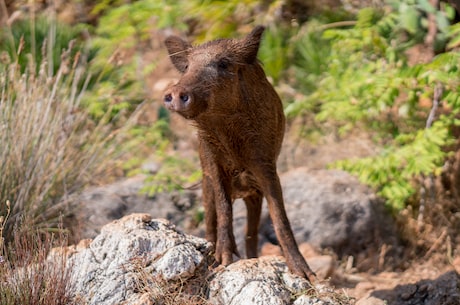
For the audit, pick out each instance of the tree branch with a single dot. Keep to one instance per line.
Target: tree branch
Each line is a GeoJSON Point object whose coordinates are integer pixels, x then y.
{"type": "Point", "coordinates": [438, 90]}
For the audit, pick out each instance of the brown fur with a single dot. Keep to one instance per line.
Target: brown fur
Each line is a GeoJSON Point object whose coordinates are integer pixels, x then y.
{"type": "Point", "coordinates": [240, 123]}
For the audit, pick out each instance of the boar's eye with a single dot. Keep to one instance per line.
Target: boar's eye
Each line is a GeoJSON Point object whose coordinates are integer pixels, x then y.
{"type": "Point", "coordinates": [223, 64]}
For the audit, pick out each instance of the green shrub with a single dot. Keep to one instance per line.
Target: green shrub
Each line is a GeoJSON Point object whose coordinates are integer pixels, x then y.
{"type": "Point", "coordinates": [274, 51]}
{"type": "Point", "coordinates": [310, 56]}
{"type": "Point", "coordinates": [413, 20]}
{"type": "Point", "coordinates": [221, 19]}
{"type": "Point", "coordinates": [118, 61]}
{"type": "Point", "coordinates": [366, 82]}
{"type": "Point", "coordinates": [25, 37]}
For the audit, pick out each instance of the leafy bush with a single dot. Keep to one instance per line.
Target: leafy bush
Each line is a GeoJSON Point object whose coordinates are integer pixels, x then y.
{"type": "Point", "coordinates": [121, 84]}
{"type": "Point", "coordinates": [24, 39]}
{"type": "Point", "coordinates": [358, 67]}
{"type": "Point", "coordinates": [174, 172]}
{"type": "Point", "coordinates": [310, 55]}
{"type": "Point", "coordinates": [413, 19]}
{"type": "Point", "coordinates": [366, 82]}
{"type": "Point", "coordinates": [221, 19]}
{"type": "Point", "coordinates": [274, 51]}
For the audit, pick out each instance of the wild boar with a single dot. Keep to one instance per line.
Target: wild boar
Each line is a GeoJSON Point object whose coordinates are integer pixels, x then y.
{"type": "Point", "coordinates": [239, 116]}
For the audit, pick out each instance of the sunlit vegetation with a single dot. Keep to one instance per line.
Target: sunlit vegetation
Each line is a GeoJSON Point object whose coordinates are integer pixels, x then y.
{"type": "Point", "coordinates": [71, 93]}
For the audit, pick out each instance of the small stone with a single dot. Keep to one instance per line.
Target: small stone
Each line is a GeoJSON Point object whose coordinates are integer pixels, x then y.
{"type": "Point", "coordinates": [410, 290]}
{"type": "Point", "coordinates": [308, 250]}
{"type": "Point", "coordinates": [322, 265]}
{"type": "Point", "coordinates": [370, 300]}
{"type": "Point", "coordinates": [364, 287]}
{"type": "Point", "coordinates": [456, 264]}
{"type": "Point", "coordinates": [270, 249]}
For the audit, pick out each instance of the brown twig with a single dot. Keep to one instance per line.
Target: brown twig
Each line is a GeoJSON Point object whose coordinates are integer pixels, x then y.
{"type": "Point", "coordinates": [438, 91]}
{"type": "Point", "coordinates": [383, 252]}
{"type": "Point", "coordinates": [337, 24]}
{"type": "Point", "coordinates": [437, 95]}
{"type": "Point", "coordinates": [432, 26]}
{"type": "Point", "coordinates": [435, 244]}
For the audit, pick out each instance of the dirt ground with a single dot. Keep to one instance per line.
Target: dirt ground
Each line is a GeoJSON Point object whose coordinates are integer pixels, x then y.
{"type": "Point", "coordinates": [424, 282]}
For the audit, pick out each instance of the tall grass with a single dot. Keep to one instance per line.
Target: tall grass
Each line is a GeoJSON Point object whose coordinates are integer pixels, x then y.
{"type": "Point", "coordinates": [49, 146]}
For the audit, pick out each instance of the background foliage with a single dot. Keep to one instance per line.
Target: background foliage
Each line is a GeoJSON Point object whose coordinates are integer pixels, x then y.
{"type": "Point", "coordinates": [367, 82]}
{"type": "Point", "coordinates": [72, 94]}
{"type": "Point", "coordinates": [348, 70]}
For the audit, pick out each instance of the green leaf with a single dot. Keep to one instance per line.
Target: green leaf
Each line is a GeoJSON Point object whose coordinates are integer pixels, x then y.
{"type": "Point", "coordinates": [426, 6]}
{"type": "Point", "coordinates": [454, 34]}
{"type": "Point", "coordinates": [442, 22]}
{"type": "Point", "coordinates": [410, 19]}
{"type": "Point", "coordinates": [449, 11]}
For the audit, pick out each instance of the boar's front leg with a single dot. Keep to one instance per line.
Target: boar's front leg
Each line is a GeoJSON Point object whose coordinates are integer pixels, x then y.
{"type": "Point", "coordinates": [271, 187]}
{"type": "Point", "coordinates": [218, 208]}
{"type": "Point", "coordinates": [209, 209]}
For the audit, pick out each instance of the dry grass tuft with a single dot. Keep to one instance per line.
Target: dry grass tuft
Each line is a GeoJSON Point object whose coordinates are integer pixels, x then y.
{"type": "Point", "coordinates": [157, 290]}
{"type": "Point", "coordinates": [28, 277]}
{"type": "Point", "coordinates": [50, 147]}
{"type": "Point", "coordinates": [326, 293]}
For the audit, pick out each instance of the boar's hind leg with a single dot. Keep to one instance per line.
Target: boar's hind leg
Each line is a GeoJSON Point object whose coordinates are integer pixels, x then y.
{"type": "Point", "coordinates": [269, 181]}
{"type": "Point", "coordinates": [254, 207]}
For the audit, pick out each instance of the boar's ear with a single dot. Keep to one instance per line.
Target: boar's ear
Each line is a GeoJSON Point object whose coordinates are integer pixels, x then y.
{"type": "Point", "coordinates": [177, 49]}
{"type": "Point", "coordinates": [251, 44]}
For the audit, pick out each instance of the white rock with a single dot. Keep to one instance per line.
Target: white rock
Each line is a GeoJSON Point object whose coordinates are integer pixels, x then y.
{"type": "Point", "coordinates": [106, 272]}
{"type": "Point", "coordinates": [261, 281]}
{"type": "Point", "coordinates": [122, 264]}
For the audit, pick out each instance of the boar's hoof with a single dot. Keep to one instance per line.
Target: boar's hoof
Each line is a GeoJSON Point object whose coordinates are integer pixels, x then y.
{"type": "Point", "coordinates": [225, 250]}
{"type": "Point", "coordinates": [299, 266]}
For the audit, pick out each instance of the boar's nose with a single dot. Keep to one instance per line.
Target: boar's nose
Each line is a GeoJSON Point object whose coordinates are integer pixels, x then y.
{"type": "Point", "coordinates": [177, 99]}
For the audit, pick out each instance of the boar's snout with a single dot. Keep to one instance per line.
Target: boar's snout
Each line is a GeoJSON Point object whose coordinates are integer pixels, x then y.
{"type": "Point", "coordinates": [177, 99]}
